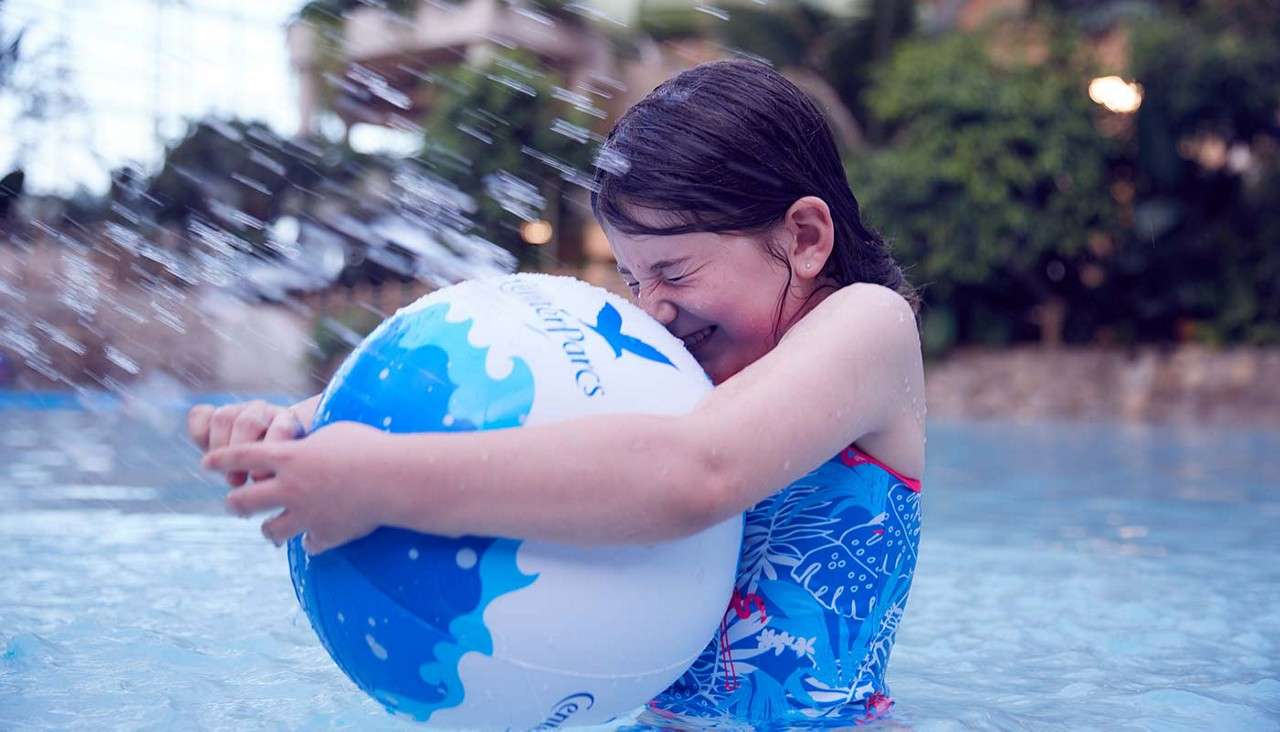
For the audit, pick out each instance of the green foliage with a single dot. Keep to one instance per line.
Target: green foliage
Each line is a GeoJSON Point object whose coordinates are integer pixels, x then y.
{"type": "Point", "coordinates": [663, 20]}
{"type": "Point", "coordinates": [499, 119]}
{"type": "Point", "coordinates": [992, 183]}
{"type": "Point", "coordinates": [787, 35]}
{"type": "Point", "coordinates": [842, 49]}
{"type": "Point", "coordinates": [1019, 217]}
{"type": "Point", "coordinates": [856, 48]}
{"type": "Point", "coordinates": [1206, 171]}
{"type": "Point", "coordinates": [223, 171]}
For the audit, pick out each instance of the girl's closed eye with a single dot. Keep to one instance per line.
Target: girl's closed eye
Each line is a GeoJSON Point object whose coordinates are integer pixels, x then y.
{"type": "Point", "coordinates": [636, 285]}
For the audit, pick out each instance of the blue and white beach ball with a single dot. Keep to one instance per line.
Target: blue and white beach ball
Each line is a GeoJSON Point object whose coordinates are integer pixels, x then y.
{"type": "Point", "coordinates": [484, 632]}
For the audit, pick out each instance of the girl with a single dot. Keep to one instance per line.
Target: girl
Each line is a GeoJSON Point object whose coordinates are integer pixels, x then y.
{"type": "Point", "coordinates": [731, 220]}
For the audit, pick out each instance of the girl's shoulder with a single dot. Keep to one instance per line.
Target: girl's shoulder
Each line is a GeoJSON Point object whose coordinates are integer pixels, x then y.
{"type": "Point", "coordinates": [888, 342]}
{"type": "Point", "coordinates": [872, 306]}
{"type": "Point", "coordinates": [849, 371]}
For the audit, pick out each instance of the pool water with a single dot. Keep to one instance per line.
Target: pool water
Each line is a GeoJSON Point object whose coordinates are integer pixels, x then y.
{"type": "Point", "coordinates": [1071, 576]}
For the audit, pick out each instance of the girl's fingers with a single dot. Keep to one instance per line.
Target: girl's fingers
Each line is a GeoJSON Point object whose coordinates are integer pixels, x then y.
{"type": "Point", "coordinates": [251, 424]}
{"type": "Point", "coordinates": [222, 429]}
{"type": "Point", "coordinates": [313, 544]}
{"type": "Point", "coordinates": [260, 456]}
{"type": "Point", "coordinates": [282, 528]}
{"type": "Point", "coordinates": [220, 424]}
{"type": "Point", "coordinates": [285, 426]}
{"type": "Point", "coordinates": [198, 424]}
{"type": "Point", "coordinates": [256, 498]}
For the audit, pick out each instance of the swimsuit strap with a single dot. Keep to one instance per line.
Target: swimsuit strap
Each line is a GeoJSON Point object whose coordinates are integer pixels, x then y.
{"type": "Point", "coordinates": [852, 456]}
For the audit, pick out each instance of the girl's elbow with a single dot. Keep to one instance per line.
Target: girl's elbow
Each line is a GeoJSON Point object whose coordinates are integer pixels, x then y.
{"type": "Point", "coordinates": [705, 500]}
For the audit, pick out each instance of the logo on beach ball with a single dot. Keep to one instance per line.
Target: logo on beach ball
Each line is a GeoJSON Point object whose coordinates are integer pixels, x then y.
{"type": "Point", "coordinates": [501, 632]}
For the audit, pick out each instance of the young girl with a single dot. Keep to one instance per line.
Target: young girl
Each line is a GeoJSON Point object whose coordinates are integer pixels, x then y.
{"type": "Point", "coordinates": [728, 211]}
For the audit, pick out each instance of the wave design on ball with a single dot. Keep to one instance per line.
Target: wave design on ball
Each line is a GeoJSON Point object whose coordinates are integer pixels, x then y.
{"type": "Point", "coordinates": [440, 587]}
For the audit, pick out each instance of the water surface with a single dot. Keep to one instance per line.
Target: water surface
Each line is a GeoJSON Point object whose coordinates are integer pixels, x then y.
{"type": "Point", "coordinates": [1072, 576]}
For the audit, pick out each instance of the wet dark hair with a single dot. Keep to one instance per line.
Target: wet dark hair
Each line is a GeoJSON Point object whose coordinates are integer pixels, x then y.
{"type": "Point", "coordinates": [728, 147]}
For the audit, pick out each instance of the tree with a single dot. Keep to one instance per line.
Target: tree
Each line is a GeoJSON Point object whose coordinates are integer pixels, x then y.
{"type": "Point", "coordinates": [828, 55]}
{"type": "Point", "coordinates": [1204, 168]}
{"type": "Point", "coordinates": [236, 175]}
{"type": "Point", "coordinates": [993, 182]}
{"type": "Point", "coordinates": [499, 134]}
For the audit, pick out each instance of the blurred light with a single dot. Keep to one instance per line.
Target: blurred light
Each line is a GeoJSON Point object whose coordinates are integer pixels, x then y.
{"type": "Point", "coordinates": [285, 233]}
{"type": "Point", "coordinates": [1092, 276]}
{"type": "Point", "coordinates": [1123, 192]}
{"type": "Point", "coordinates": [536, 232]}
{"type": "Point", "coordinates": [1116, 94]}
{"type": "Point", "coordinates": [373, 140]}
{"type": "Point", "coordinates": [1055, 270]}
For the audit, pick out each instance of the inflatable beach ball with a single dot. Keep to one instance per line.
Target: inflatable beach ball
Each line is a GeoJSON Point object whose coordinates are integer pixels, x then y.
{"type": "Point", "coordinates": [502, 633]}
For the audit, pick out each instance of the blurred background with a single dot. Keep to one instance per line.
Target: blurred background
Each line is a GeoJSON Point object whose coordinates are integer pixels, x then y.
{"type": "Point", "coordinates": [215, 196]}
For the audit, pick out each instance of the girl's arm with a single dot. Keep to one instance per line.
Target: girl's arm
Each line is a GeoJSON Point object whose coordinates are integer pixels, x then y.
{"type": "Point", "coordinates": [839, 374]}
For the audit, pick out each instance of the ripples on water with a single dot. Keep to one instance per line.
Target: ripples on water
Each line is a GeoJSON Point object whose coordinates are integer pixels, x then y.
{"type": "Point", "coordinates": [1071, 577]}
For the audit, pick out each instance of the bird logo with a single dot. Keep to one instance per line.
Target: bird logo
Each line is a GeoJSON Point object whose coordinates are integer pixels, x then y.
{"type": "Point", "coordinates": [609, 326]}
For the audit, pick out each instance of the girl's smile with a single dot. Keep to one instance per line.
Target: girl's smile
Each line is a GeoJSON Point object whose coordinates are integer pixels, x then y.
{"type": "Point", "coordinates": [695, 340]}
{"type": "Point", "coordinates": [726, 296]}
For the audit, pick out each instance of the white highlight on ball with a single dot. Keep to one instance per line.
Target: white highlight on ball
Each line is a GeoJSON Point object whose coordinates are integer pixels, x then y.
{"type": "Point", "coordinates": [378, 650]}
{"type": "Point", "coordinates": [466, 557]}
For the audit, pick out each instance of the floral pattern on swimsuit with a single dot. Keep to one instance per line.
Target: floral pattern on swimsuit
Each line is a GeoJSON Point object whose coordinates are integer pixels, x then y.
{"type": "Point", "coordinates": [821, 587]}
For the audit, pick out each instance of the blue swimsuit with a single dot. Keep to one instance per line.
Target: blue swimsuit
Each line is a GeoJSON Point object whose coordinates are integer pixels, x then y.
{"type": "Point", "coordinates": [822, 583]}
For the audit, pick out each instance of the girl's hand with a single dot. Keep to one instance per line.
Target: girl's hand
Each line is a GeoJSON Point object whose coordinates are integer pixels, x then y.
{"type": "Point", "coordinates": [322, 481]}
{"type": "Point", "coordinates": [212, 428]}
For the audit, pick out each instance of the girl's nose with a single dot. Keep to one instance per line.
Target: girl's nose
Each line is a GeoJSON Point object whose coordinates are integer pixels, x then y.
{"type": "Point", "coordinates": [661, 310]}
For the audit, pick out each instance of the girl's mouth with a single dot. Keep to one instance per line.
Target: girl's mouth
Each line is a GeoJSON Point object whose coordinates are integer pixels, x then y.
{"type": "Point", "coordinates": [695, 339]}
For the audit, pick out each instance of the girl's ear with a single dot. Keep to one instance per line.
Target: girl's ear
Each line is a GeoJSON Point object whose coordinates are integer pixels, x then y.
{"type": "Point", "coordinates": [810, 236]}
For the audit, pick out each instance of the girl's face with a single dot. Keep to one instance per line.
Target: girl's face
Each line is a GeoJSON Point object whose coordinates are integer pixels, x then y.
{"type": "Point", "coordinates": [718, 293]}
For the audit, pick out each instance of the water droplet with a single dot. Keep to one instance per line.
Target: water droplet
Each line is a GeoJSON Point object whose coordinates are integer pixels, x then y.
{"type": "Point", "coordinates": [717, 13]}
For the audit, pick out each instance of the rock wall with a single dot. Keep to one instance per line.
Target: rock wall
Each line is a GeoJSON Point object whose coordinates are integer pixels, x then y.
{"type": "Point", "coordinates": [1188, 384]}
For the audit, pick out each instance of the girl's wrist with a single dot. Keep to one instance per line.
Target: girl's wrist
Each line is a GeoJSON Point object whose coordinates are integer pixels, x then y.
{"type": "Point", "coordinates": [405, 482]}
